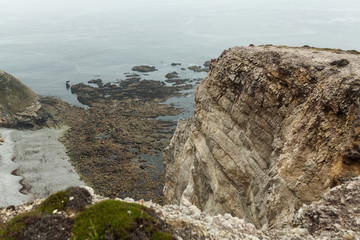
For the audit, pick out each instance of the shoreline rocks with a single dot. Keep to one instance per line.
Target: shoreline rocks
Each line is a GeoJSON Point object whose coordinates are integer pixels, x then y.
{"type": "Point", "coordinates": [172, 75]}
{"type": "Point", "coordinates": [144, 68]}
{"type": "Point", "coordinates": [198, 69]}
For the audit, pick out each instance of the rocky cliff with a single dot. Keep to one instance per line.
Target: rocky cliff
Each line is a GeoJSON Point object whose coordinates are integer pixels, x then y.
{"type": "Point", "coordinates": [274, 128]}
{"type": "Point", "coordinates": [19, 105]}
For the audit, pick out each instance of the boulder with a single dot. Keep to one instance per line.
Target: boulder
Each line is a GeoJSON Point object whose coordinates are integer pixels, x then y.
{"type": "Point", "coordinates": [144, 68]}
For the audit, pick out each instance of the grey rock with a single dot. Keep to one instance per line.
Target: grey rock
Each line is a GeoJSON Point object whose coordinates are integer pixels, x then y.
{"type": "Point", "coordinates": [271, 132]}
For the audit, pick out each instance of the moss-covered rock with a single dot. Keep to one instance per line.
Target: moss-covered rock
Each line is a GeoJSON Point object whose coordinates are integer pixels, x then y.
{"type": "Point", "coordinates": [19, 105]}
{"type": "Point", "coordinates": [108, 219]}
{"type": "Point", "coordinates": [113, 219]}
{"type": "Point", "coordinates": [71, 199]}
{"type": "Point", "coordinates": [15, 96]}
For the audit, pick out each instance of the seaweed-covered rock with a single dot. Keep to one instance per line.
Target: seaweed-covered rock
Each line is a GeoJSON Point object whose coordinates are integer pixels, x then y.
{"type": "Point", "coordinates": [198, 69]}
{"type": "Point", "coordinates": [172, 75]}
{"type": "Point", "coordinates": [144, 68]}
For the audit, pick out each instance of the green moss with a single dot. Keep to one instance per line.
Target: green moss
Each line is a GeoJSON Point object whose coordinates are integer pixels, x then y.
{"type": "Point", "coordinates": [13, 229]}
{"type": "Point", "coordinates": [15, 96]}
{"type": "Point", "coordinates": [60, 201]}
{"type": "Point", "coordinates": [161, 236]}
{"type": "Point", "coordinates": [108, 219]}
{"type": "Point", "coordinates": [56, 201]}
{"type": "Point", "coordinates": [117, 219]}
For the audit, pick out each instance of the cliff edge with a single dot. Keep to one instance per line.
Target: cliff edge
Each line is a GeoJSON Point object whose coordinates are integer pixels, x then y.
{"type": "Point", "coordinates": [274, 128]}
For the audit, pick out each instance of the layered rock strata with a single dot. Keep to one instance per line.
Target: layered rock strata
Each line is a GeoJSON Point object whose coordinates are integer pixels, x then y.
{"type": "Point", "coordinates": [274, 128]}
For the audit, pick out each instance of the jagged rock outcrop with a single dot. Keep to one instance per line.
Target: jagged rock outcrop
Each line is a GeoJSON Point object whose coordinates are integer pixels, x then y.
{"type": "Point", "coordinates": [19, 105]}
{"type": "Point", "coordinates": [274, 128]}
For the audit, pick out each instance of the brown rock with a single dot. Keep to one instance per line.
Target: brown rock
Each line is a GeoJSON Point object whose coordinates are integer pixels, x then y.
{"type": "Point", "coordinates": [274, 128]}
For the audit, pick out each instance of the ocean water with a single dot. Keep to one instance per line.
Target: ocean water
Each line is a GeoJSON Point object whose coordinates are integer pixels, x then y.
{"type": "Point", "coordinates": [47, 42]}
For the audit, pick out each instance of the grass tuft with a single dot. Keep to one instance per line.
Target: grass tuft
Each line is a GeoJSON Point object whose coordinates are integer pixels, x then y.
{"type": "Point", "coordinates": [113, 219]}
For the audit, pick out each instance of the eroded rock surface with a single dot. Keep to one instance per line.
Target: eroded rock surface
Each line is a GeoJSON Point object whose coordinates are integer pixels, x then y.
{"type": "Point", "coordinates": [274, 128]}
{"type": "Point", "coordinates": [19, 105]}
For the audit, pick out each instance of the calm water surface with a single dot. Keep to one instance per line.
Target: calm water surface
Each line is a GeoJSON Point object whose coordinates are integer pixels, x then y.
{"type": "Point", "coordinates": [46, 42]}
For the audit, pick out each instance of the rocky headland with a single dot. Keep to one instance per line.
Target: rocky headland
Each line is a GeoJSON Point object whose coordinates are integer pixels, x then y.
{"type": "Point", "coordinates": [272, 152]}
{"type": "Point", "coordinates": [19, 105]}
{"type": "Point", "coordinates": [274, 128]}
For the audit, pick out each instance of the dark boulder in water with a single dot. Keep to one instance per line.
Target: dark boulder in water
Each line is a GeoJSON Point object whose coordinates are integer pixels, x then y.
{"type": "Point", "coordinates": [144, 68]}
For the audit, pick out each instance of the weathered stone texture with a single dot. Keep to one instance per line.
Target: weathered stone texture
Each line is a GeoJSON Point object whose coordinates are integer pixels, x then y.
{"type": "Point", "coordinates": [274, 128]}
{"type": "Point", "coordinates": [19, 105]}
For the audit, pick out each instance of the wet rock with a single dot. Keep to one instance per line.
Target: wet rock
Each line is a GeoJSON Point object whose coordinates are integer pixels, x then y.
{"type": "Point", "coordinates": [172, 75]}
{"type": "Point", "coordinates": [175, 64]}
{"type": "Point", "coordinates": [177, 81]}
{"type": "Point", "coordinates": [121, 117]}
{"type": "Point", "coordinates": [144, 68]}
{"type": "Point", "coordinates": [98, 82]}
{"type": "Point", "coordinates": [198, 69]}
{"type": "Point", "coordinates": [148, 90]}
{"type": "Point", "coordinates": [207, 64]}
{"type": "Point", "coordinates": [132, 75]}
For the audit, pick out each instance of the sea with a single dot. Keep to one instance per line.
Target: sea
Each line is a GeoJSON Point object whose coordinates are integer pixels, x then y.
{"type": "Point", "coordinates": [45, 43]}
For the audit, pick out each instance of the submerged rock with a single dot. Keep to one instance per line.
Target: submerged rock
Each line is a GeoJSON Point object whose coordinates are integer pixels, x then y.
{"type": "Point", "coordinates": [144, 68]}
{"type": "Point", "coordinates": [198, 69]}
{"type": "Point", "coordinates": [274, 128]}
{"type": "Point", "coordinates": [172, 75]}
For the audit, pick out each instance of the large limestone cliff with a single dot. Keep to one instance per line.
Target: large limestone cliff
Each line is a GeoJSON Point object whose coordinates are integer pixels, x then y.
{"type": "Point", "coordinates": [19, 105]}
{"type": "Point", "coordinates": [274, 128]}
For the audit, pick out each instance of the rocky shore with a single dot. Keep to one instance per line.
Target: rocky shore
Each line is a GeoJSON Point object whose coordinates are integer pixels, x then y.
{"type": "Point", "coordinates": [116, 144]}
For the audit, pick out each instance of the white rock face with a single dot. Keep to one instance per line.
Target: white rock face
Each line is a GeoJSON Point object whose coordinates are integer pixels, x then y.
{"type": "Point", "coordinates": [274, 128]}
